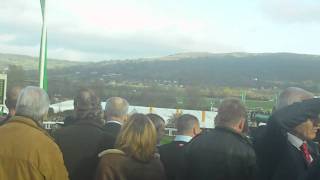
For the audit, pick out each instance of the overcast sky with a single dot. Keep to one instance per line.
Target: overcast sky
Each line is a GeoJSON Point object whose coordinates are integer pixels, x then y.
{"type": "Point", "coordinates": [120, 29]}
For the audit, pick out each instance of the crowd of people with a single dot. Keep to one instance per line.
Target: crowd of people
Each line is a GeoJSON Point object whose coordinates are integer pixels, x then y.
{"type": "Point", "coordinates": [111, 144]}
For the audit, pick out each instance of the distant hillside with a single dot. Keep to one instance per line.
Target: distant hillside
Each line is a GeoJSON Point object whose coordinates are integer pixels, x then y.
{"type": "Point", "coordinates": [234, 69]}
{"type": "Point", "coordinates": [194, 68]}
{"type": "Point", "coordinates": [30, 63]}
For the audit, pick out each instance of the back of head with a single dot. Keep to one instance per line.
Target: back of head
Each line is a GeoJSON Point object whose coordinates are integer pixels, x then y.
{"type": "Point", "coordinates": [12, 97]}
{"type": "Point", "coordinates": [33, 102]}
{"type": "Point", "coordinates": [185, 124]}
{"type": "Point", "coordinates": [87, 105]}
{"type": "Point", "coordinates": [230, 113]}
{"type": "Point", "coordinates": [137, 138]}
{"type": "Point", "coordinates": [157, 120]}
{"type": "Point", "coordinates": [116, 107]}
{"type": "Point", "coordinates": [292, 95]}
{"type": "Point", "coordinates": [159, 124]}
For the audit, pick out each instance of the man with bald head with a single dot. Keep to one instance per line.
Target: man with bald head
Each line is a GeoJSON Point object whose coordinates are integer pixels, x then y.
{"type": "Point", "coordinates": [171, 154]}
{"type": "Point", "coordinates": [116, 113]}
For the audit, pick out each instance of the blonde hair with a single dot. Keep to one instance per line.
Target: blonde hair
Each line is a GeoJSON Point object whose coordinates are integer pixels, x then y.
{"type": "Point", "coordinates": [138, 138]}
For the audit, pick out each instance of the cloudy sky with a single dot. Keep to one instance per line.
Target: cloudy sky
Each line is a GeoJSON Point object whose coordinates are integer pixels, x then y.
{"type": "Point", "coordinates": [88, 30]}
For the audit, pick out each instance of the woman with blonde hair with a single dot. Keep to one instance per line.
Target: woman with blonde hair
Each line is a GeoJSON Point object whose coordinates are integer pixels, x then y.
{"type": "Point", "coordinates": [134, 157]}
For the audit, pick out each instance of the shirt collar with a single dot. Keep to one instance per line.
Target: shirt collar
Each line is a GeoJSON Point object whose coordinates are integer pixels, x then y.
{"type": "Point", "coordinates": [183, 138]}
{"type": "Point", "coordinates": [295, 141]}
{"type": "Point", "coordinates": [117, 122]}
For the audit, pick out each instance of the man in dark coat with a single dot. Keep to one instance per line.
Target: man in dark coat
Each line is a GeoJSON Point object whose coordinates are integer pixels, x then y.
{"type": "Point", "coordinates": [171, 154]}
{"type": "Point", "coordinates": [273, 136]}
{"type": "Point", "coordinates": [11, 101]}
{"type": "Point", "coordinates": [82, 141]}
{"type": "Point", "coordinates": [223, 153]}
{"type": "Point", "coordinates": [287, 150]}
{"type": "Point", "coordinates": [116, 113]}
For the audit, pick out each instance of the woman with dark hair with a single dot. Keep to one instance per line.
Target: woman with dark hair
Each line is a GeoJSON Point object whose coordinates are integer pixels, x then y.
{"type": "Point", "coordinates": [159, 124]}
{"type": "Point", "coordinates": [134, 157]}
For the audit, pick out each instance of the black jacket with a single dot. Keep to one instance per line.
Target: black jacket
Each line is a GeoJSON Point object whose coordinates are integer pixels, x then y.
{"type": "Point", "coordinates": [4, 119]}
{"type": "Point", "coordinates": [171, 157]}
{"type": "Point", "coordinates": [80, 144]}
{"type": "Point", "coordinates": [221, 154]}
{"type": "Point", "coordinates": [293, 165]}
{"type": "Point", "coordinates": [112, 128]}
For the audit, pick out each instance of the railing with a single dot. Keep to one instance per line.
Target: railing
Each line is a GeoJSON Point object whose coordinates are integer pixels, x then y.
{"type": "Point", "coordinates": [170, 131]}
{"type": "Point", "coordinates": [48, 125]}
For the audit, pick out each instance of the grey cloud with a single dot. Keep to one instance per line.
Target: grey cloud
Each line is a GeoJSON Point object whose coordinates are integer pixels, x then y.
{"type": "Point", "coordinates": [27, 30]}
{"type": "Point", "coordinates": [130, 46]}
{"type": "Point", "coordinates": [292, 11]}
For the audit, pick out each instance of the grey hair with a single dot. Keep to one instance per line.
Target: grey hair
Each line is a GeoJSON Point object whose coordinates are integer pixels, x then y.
{"type": "Point", "coordinates": [33, 102]}
{"type": "Point", "coordinates": [292, 95]}
{"type": "Point", "coordinates": [116, 107]}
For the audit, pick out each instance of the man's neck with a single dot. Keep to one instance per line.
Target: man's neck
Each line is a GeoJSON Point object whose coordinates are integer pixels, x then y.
{"type": "Point", "coordinates": [232, 128]}
{"type": "Point", "coordinates": [12, 112]}
{"type": "Point", "coordinates": [185, 134]}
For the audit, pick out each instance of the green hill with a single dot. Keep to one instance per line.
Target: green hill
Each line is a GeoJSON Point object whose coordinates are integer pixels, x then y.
{"type": "Point", "coordinates": [233, 69]}
{"type": "Point", "coordinates": [31, 63]}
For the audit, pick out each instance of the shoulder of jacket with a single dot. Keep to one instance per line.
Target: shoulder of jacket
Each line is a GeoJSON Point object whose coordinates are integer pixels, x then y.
{"type": "Point", "coordinates": [111, 151]}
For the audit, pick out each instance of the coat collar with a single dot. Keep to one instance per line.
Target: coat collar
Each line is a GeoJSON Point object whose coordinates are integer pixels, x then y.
{"type": "Point", "coordinates": [114, 122]}
{"type": "Point", "coordinates": [111, 151]}
{"type": "Point", "coordinates": [120, 152]}
{"type": "Point", "coordinates": [28, 122]}
{"type": "Point", "coordinates": [232, 131]}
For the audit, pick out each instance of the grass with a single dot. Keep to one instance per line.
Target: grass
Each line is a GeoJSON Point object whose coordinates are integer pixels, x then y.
{"type": "Point", "coordinates": [266, 105]}
{"type": "Point", "coordinates": [166, 139]}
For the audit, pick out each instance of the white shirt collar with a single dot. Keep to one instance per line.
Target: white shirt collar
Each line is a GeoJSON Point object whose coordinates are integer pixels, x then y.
{"type": "Point", "coordinates": [117, 122]}
{"type": "Point", "coordinates": [183, 138]}
{"type": "Point", "coordinates": [295, 141]}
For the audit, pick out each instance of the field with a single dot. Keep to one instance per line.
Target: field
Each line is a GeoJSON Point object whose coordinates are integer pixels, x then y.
{"type": "Point", "coordinates": [166, 139]}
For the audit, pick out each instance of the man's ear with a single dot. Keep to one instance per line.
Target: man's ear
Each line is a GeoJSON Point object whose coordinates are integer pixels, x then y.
{"type": "Point", "coordinates": [241, 124]}
{"type": "Point", "coordinates": [125, 118]}
{"type": "Point", "coordinates": [194, 131]}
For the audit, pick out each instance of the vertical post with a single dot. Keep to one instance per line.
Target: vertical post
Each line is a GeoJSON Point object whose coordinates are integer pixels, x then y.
{"type": "Point", "coordinates": [203, 116]}
{"type": "Point", "coordinates": [43, 49]}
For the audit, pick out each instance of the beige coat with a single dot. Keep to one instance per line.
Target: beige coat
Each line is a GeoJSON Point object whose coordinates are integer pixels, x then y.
{"type": "Point", "coordinates": [116, 165]}
{"type": "Point", "coordinates": [27, 152]}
